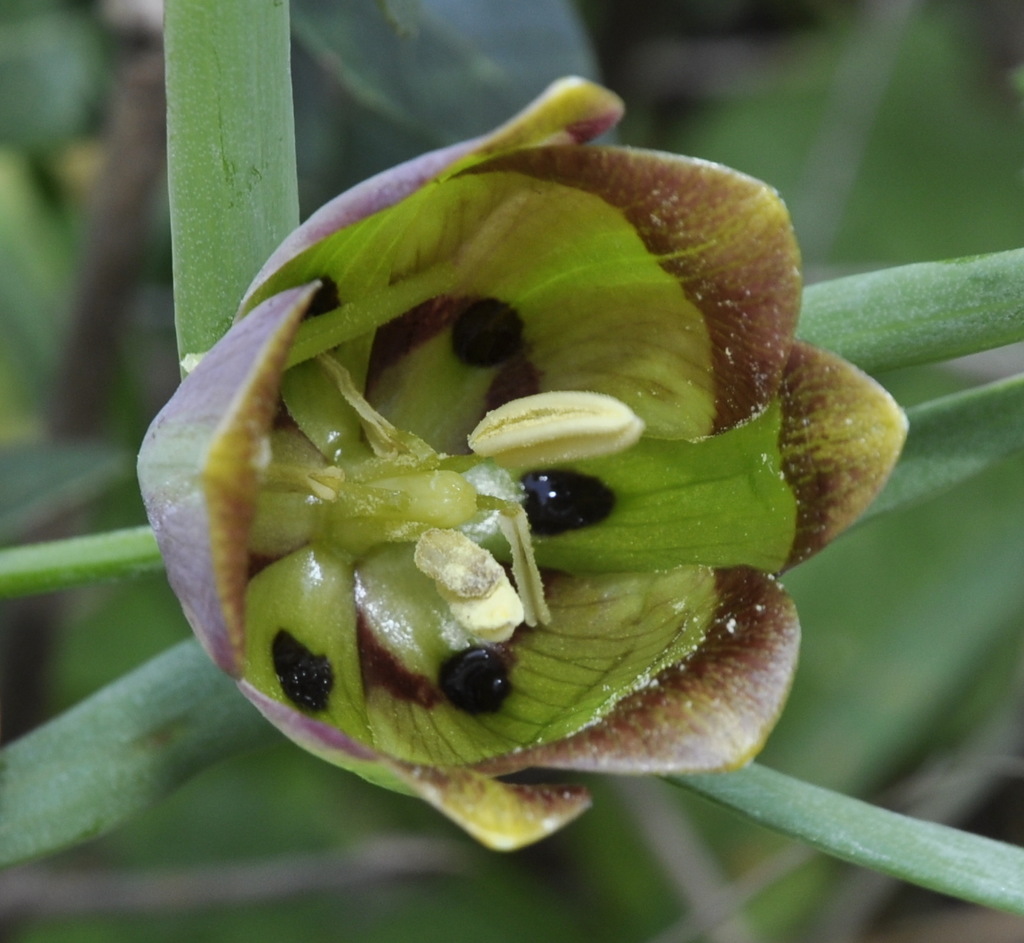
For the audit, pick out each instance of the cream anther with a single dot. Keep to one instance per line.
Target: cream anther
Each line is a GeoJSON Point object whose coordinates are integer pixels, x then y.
{"type": "Point", "coordinates": [472, 582]}
{"type": "Point", "coordinates": [558, 426]}
{"type": "Point", "coordinates": [385, 440]}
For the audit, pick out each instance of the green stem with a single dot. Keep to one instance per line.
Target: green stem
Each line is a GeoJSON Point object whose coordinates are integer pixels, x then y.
{"type": "Point", "coordinates": [922, 313]}
{"type": "Point", "coordinates": [61, 564]}
{"type": "Point", "coordinates": [230, 154]}
{"type": "Point", "coordinates": [934, 856]}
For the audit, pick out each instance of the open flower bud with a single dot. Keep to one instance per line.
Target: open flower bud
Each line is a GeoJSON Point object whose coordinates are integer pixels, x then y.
{"type": "Point", "coordinates": [499, 464]}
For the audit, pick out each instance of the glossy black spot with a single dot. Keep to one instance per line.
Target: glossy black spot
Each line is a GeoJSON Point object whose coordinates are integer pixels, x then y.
{"type": "Point", "coordinates": [306, 679]}
{"type": "Point", "coordinates": [557, 501]}
{"type": "Point", "coordinates": [326, 298]}
{"type": "Point", "coordinates": [476, 680]}
{"type": "Point", "coordinates": [487, 333]}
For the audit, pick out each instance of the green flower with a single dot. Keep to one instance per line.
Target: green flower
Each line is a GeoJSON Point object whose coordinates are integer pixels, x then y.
{"type": "Point", "coordinates": [500, 461]}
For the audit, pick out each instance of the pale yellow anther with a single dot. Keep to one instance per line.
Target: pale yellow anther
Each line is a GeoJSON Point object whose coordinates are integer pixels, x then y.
{"type": "Point", "coordinates": [559, 426]}
{"type": "Point", "coordinates": [385, 440]}
{"type": "Point", "coordinates": [475, 586]}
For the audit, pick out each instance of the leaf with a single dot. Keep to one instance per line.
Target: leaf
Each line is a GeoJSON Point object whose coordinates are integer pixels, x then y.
{"type": "Point", "coordinates": [44, 481]}
{"type": "Point", "coordinates": [921, 313]}
{"type": "Point", "coordinates": [397, 90]}
{"type": "Point", "coordinates": [953, 438]}
{"type": "Point", "coordinates": [120, 751]}
{"type": "Point", "coordinates": [50, 69]}
{"type": "Point", "coordinates": [934, 856]}
{"type": "Point", "coordinates": [34, 266]}
{"type": "Point", "coordinates": [402, 15]}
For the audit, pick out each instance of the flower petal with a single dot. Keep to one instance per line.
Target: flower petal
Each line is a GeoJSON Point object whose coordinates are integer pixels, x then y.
{"type": "Point", "coordinates": [841, 436]}
{"type": "Point", "coordinates": [607, 635]}
{"type": "Point", "coordinates": [711, 711]}
{"type": "Point", "coordinates": [199, 470]}
{"type": "Point", "coordinates": [571, 242]}
{"type": "Point", "coordinates": [725, 237]}
{"type": "Point", "coordinates": [570, 111]}
{"type": "Point", "coordinates": [500, 815]}
{"type": "Point", "coordinates": [719, 501]}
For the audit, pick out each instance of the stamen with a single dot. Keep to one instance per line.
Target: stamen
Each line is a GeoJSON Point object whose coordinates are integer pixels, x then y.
{"type": "Point", "coordinates": [472, 582]}
{"type": "Point", "coordinates": [558, 426]}
{"type": "Point", "coordinates": [516, 529]}
{"type": "Point", "coordinates": [386, 440]}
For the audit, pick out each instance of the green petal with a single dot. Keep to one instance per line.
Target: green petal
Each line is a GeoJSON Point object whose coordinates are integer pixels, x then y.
{"type": "Point", "coordinates": [841, 436]}
{"type": "Point", "coordinates": [669, 283]}
{"type": "Point", "coordinates": [608, 635]}
{"type": "Point", "coordinates": [720, 501]}
{"type": "Point", "coordinates": [308, 594]}
{"type": "Point", "coordinates": [711, 711]}
{"type": "Point", "coordinates": [724, 237]}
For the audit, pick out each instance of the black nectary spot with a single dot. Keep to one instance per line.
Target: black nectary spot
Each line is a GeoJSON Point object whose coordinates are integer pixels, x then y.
{"type": "Point", "coordinates": [306, 679]}
{"type": "Point", "coordinates": [326, 298]}
{"type": "Point", "coordinates": [557, 501]}
{"type": "Point", "coordinates": [487, 333]}
{"type": "Point", "coordinates": [476, 680]}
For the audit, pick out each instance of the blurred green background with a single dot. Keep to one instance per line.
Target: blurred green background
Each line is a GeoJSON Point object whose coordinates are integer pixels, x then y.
{"type": "Point", "coordinates": [893, 129]}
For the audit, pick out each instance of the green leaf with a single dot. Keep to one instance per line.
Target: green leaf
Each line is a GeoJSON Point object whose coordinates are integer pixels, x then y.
{"type": "Point", "coordinates": [918, 313]}
{"type": "Point", "coordinates": [398, 88]}
{"type": "Point", "coordinates": [35, 261]}
{"type": "Point", "coordinates": [230, 154]}
{"type": "Point", "coordinates": [934, 856]}
{"type": "Point", "coordinates": [953, 438]}
{"type": "Point", "coordinates": [125, 748]}
{"type": "Point", "coordinates": [77, 561]}
{"type": "Point", "coordinates": [50, 69]}
{"type": "Point", "coordinates": [42, 481]}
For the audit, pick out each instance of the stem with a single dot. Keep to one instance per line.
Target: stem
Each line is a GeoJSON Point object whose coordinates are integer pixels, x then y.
{"type": "Point", "coordinates": [61, 564]}
{"type": "Point", "coordinates": [231, 154]}
{"type": "Point", "coordinates": [934, 856]}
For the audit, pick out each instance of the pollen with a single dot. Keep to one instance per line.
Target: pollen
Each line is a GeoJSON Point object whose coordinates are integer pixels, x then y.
{"type": "Point", "coordinates": [557, 426]}
{"type": "Point", "coordinates": [475, 586]}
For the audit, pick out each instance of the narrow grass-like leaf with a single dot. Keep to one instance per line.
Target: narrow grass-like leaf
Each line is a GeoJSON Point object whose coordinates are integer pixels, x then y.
{"type": "Point", "coordinates": [934, 856]}
{"type": "Point", "coordinates": [120, 751]}
{"type": "Point", "coordinates": [230, 154]}
{"type": "Point", "coordinates": [953, 438]}
{"type": "Point", "coordinates": [921, 313]}
{"type": "Point", "coordinates": [62, 564]}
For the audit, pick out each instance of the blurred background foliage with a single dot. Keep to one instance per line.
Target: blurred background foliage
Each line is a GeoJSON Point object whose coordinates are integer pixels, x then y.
{"type": "Point", "coordinates": [893, 128]}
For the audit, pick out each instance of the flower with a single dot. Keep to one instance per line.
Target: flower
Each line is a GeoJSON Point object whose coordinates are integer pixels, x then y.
{"type": "Point", "coordinates": [498, 465]}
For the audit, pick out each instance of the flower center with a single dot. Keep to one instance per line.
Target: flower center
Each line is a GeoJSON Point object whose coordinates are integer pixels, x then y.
{"type": "Point", "coordinates": [462, 513]}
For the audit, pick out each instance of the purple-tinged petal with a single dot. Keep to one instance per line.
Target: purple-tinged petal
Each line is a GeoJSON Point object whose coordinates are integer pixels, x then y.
{"type": "Point", "coordinates": [725, 237]}
{"type": "Point", "coordinates": [711, 711]}
{"type": "Point", "coordinates": [500, 815]}
{"type": "Point", "coordinates": [199, 469]}
{"type": "Point", "coordinates": [569, 111]}
{"type": "Point", "coordinates": [841, 436]}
